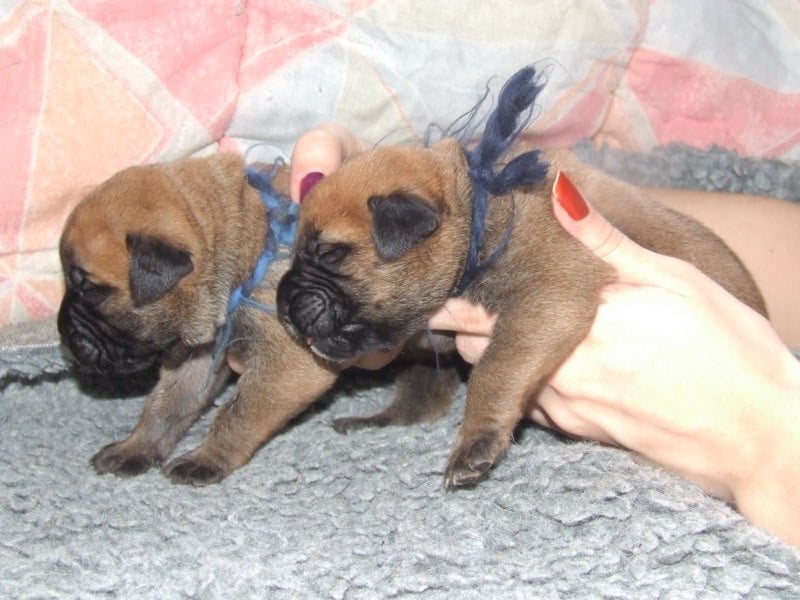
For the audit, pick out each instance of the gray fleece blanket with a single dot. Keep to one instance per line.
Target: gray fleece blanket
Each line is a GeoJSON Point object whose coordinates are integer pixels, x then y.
{"type": "Point", "coordinates": [321, 515]}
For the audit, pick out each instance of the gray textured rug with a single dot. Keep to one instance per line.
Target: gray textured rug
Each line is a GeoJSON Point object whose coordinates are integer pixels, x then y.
{"type": "Point", "coordinates": [320, 515]}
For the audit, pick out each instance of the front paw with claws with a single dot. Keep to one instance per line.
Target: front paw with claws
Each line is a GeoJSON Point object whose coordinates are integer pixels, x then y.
{"type": "Point", "coordinates": [195, 470]}
{"type": "Point", "coordinates": [471, 460]}
{"type": "Point", "coordinates": [122, 460]}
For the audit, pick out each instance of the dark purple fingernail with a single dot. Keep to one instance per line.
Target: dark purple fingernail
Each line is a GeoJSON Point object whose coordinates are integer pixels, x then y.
{"type": "Point", "coordinates": [308, 182]}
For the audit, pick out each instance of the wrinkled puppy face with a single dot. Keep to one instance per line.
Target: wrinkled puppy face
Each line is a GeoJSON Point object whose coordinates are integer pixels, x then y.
{"type": "Point", "coordinates": [381, 244]}
{"type": "Point", "coordinates": [114, 318]}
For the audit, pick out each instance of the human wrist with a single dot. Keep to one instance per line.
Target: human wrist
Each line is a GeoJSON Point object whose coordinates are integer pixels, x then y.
{"type": "Point", "coordinates": [769, 498]}
{"type": "Point", "coordinates": [751, 430]}
{"type": "Point", "coordinates": [766, 487]}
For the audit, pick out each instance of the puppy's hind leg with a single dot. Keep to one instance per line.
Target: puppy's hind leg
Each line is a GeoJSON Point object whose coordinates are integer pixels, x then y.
{"type": "Point", "coordinates": [178, 399]}
{"type": "Point", "coordinates": [423, 394]}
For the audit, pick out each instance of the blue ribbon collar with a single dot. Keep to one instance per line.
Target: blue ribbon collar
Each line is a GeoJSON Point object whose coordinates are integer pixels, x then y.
{"type": "Point", "coordinates": [510, 118]}
{"type": "Point", "coordinates": [282, 216]}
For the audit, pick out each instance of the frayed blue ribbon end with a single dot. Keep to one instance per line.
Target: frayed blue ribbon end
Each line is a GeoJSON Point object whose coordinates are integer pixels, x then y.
{"type": "Point", "coordinates": [509, 119]}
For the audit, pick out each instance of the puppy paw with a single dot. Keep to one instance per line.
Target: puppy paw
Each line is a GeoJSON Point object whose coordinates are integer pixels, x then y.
{"type": "Point", "coordinates": [121, 460]}
{"type": "Point", "coordinates": [471, 460]}
{"type": "Point", "coordinates": [197, 471]}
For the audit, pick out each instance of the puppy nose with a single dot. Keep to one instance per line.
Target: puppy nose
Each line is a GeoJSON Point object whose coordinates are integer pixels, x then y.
{"type": "Point", "coordinates": [316, 315]}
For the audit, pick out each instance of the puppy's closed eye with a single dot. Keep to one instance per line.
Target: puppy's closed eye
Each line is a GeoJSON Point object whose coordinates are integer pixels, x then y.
{"type": "Point", "coordinates": [79, 282]}
{"type": "Point", "coordinates": [328, 254]}
{"type": "Point", "coordinates": [333, 254]}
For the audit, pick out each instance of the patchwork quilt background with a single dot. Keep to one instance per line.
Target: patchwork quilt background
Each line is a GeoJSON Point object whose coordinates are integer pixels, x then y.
{"type": "Point", "coordinates": [88, 87]}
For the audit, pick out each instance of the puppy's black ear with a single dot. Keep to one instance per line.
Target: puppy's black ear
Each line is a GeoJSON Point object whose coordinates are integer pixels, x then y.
{"type": "Point", "coordinates": [399, 221]}
{"type": "Point", "coordinates": [155, 267]}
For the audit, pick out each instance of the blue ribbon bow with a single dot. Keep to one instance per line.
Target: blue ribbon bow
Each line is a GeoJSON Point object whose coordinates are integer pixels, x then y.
{"type": "Point", "coordinates": [503, 126]}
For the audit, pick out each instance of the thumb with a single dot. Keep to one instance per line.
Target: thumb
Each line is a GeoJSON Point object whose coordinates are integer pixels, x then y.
{"type": "Point", "coordinates": [633, 263]}
{"type": "Point", "coordinates": [318, 153]}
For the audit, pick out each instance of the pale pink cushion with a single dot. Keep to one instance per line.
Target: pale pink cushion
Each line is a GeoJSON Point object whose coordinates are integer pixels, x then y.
{"type": "Point", "coordinates": [727, 76]}
{"type": "Point", "coordinates": [87, 87]}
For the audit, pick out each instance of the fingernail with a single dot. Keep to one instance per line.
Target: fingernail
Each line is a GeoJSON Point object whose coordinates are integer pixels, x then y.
{"type": "Point", "coordinates": [308, 182]}
{"type": "Point", "coordinates": [570, 197]}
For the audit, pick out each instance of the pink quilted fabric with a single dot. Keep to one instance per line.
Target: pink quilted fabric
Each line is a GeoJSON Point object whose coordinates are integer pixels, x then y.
{"type": "Point", "coordinates": [729, 77]}
{"type": "Point", "coordinates": [88, 87]}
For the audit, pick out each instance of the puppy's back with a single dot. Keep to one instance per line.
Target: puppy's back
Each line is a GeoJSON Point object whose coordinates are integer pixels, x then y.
{"type": "Point", "coordinates": [661, 229]}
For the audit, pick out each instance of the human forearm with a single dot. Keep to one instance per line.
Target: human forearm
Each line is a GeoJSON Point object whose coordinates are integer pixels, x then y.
{"type": "Point", "coordinates": [763, 232]}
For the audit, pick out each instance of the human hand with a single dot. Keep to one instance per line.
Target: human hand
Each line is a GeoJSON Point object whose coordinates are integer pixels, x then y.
{"type": "Point", "coordinates": [673, 364]}
{"type": "Point", "coordinates": [676, 369]}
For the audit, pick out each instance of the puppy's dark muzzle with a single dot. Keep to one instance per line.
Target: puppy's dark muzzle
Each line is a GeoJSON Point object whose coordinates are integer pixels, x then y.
{"type": "Point", "coordinates": [97, 345]}
{"type": "Point", "coordinates": [317, 310]}
{"type": "Point", "coordinates": [313, 309]}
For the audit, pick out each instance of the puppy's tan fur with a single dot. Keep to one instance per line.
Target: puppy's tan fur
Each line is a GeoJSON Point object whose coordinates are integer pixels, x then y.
{"type": "Point", "coordinates": [202, 208]}
{"type": "Point", "coordinates": [545, 287]}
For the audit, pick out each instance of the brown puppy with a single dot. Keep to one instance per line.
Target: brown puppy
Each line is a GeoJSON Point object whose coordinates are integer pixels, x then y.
{"type": "Point", "coordinates": [383, 242]}
{"type": "Point", "coordinates": [150, 259]}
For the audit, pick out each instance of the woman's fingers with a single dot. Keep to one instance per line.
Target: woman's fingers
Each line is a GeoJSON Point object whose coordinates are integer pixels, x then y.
{"type": "Point", "coordinates": [318, 153]}
{"type": "Point", "coordinates": [462, 316]}
{"type": "Point", "coordinates": [472, 323]}
{"type": "Point", "coordinates": [633, 263]}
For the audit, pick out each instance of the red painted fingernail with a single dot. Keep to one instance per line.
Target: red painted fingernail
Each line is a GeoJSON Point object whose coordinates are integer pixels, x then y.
{"type": "Point", "coordinates": [570, 197]}
{"type": "Point", "coordinates": [308, 182]}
